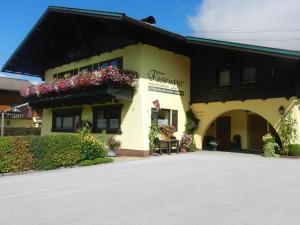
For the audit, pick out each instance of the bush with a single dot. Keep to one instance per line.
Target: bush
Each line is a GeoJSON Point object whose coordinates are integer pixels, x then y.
{"type": "Point", "coordinates": [294, 150]}
{"type": "Point", "coordinates": [21, 131]}
{"type": "Point", "coordinates": [191, 123]}
{"type": "Point", "coordinates": [95, 161]}
{"type": "Point", "coordinates": [269, 146]}
{"type": "Point", "coordinates": [15, 155]}
{"type": "Point", "coordinates": [53, 151]}
{"type": "Point", "coordinates": [20, 153]}
{"type": "Point", "coordinates": [92, 148]}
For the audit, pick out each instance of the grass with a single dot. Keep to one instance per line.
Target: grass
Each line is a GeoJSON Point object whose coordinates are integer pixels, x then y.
{"type": "Point", "coordinates": [95, 161]}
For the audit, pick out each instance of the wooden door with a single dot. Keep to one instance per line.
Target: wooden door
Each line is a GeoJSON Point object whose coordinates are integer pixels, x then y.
{"type": "Point", "coordinates": [224, 132]}
{"type": "Point", "coordinates": [257, 127]}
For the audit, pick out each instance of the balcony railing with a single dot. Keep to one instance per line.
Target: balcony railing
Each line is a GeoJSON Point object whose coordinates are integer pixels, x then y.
{"type": "Point", "coordinates": [18, 115]}
{"type": "Point", "coordinates": [98, 86]}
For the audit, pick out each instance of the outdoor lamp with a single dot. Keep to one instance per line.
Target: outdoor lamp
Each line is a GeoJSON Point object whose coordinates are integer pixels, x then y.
{"type": "Point", "coordinates": [281, 110]}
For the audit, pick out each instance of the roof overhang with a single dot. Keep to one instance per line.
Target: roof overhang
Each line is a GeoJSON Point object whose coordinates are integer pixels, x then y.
{"type": "Point", "coordinates": [64, 35]}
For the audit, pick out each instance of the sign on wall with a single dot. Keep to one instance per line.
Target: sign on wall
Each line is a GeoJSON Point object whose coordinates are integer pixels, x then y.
{"type": "Point", "coordinates": [160, 82]}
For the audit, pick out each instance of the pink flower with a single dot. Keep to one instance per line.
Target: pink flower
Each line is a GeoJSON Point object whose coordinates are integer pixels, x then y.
{"type": "Point", "coordinates": [82, 81]}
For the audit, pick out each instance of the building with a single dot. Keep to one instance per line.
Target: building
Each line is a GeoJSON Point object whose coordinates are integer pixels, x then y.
{"type": "Point", "coordinates": [10, 97]}
{"type": "Point", "coordinates": [234, 89]}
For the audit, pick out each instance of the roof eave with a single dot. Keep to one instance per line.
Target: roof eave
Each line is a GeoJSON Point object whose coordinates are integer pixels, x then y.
{"type": "Point", "coordinates": [192, 40]}
{"type": "Point", "coordinates": [108, 15]}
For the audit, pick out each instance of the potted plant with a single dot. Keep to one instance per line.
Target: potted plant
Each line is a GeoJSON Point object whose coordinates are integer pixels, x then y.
{"type": "Point", "coordinates": [214, 144]}
{"type": "Point", "coordinates": [113, 145]}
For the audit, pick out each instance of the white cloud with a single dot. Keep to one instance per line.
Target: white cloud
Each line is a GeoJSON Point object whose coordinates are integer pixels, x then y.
{"type": "Point", "coordinates": [272, 23]}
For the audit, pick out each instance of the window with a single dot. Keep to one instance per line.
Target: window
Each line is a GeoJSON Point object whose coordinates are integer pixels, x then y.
{"type": "Point", "coordinates": [224, 77]}
{"type": "Point", "coordinates": [113, 62]}
{"type": "Point", "coordinates": [165, 117]}
{"type": "Point", "coordinates": [86, 69]}
{"type": "Point", "coordinates": [67, 120]}
{"type": "Point", "coordinates": [107, 118]}
{"type": "Point", "coordinates": [66, 74]}
{"type": "Point", "coordinates": [248, 75]}
{"type": "Point", "coordinates": [118, 62]}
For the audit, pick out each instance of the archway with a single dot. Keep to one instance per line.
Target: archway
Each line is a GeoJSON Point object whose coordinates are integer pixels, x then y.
{"type": "Point", "coordinates": [238, 130]}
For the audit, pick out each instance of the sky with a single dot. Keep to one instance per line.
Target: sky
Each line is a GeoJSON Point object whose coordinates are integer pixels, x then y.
{"type": "Point", "coordinates": [272, 23]}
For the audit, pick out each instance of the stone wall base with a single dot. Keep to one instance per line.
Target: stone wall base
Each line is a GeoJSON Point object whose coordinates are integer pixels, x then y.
{"type": "Point", "coordinates": [130, 152]}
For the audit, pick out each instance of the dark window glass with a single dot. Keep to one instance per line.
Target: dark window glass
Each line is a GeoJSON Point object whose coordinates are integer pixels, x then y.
{"type": "Point", "coordinates": [89, 68]}
{"type": "Point", "coordinates": [165, 117]}
{"type": "Point", "coordinates": [65, 74]}
{"type": "Point", "coordinates": [86, 69]}
{"type": "Point", "coordinates": [114, 62]}
{"type": "Point", "coordinates": [154, 115]}
{"type": "Point", "coordinates": [175, 119]}
{"type": "Point", "coordinates": [248, 75]}
{"type": "Point", "coordinates": [96, 66]}
{"type": "Point", "coordinates": [107, 118]}
{"type": "Point", "coordinates": [66, 120]}
{"type": "Point", "coordinates": [224, 77]}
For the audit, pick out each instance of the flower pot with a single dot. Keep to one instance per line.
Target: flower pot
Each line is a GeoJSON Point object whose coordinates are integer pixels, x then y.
{"type": "Point", "coordinates": [111, 152]}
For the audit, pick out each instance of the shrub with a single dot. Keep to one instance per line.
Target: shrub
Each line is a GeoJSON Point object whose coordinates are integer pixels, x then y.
{"type": "Point", "coordinates": [95, 161]}
{"type": "Point", "coordinates": [152, 135]}
{"type": "Point", "coordinates": [295, 150]}
{"type": "Point", "coordinates": [287, 131]}
{"type": "Point", "coordinates": [20, 153]}
{"type": "Point", "coordinates": [22, 159]}
{"type": "Point", "coordinates": [191, 123]}
{"type": "Point", "coordinates": [15, 155]}
{"type": "Point", "coordinates": [92, 148]}
{"type": "Point", "coordinates": [53, 151]}
{"type": "Point", "coordinates": [187, 142]}
{"type": "Point", "coordinates": [269, 146]}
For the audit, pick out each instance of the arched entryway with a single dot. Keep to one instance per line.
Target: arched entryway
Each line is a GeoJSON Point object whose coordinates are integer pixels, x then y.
{"type": "Point", "coordinates": [238, 130]}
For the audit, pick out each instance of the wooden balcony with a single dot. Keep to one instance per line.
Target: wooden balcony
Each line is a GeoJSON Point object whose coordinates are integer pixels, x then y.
{"type": "Point", "coordinates": [100, 94]}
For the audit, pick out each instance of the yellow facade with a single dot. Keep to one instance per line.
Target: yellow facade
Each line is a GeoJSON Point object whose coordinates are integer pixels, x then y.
{"type": "Point", "coordinates": [136, 114]}
{"type": "Point", "coordinates": [13, 123]}
{"type": "Point", "coordinates": [268, 109]}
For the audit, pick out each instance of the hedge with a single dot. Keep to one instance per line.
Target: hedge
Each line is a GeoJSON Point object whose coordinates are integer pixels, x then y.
{"type": "Point", "coordinates": [21, 131]}
{"type": "Point", "coordinates": [15, 155]}
{"type": "Point", "coordinates": [21, 153]}
{"type": "Point", "coordinates": [295, 150]}
{"type": "Point", "coordinates": [95, 161]}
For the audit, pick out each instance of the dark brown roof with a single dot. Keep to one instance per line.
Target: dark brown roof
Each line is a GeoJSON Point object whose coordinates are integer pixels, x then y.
{"type": "Point", "coordinates": [12, 84]}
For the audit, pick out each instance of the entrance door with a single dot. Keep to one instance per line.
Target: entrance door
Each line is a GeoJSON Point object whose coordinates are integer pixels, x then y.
{"type": "Point", "coordinates": [257, 127]}
{"type": "Point", "coordinates": [224, 132]}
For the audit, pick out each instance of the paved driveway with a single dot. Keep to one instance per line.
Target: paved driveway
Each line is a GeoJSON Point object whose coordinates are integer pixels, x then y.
{"type": "Point", "coordinates": [199, 188]}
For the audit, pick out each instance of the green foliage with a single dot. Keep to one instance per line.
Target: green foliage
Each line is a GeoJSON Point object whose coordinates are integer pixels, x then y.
{"type": "Point", "coordinates": [85, 127]}
{"type": "Point", "coordinates": [287, 131]}
{"type": "Point", "coordinates": [20, 153]}
{"type": "Point", "coordinates": [191, 123]}
{"type": "Point", "coordinates": [152, 135]}
{"type": "Point", "coordinates": [92, 148]}
{"type": "Point", "coordinates": [22, 159]}
{"type": "Point", "coordinates": [102, 136]}
{"type": "Point", "coordinates": [294, 150]}
{"type": "Point", "coordinates": [15, 155]}
{"type": "Point", "coordinates": [269, 146]}
{"type": "Point", "coordinates": [6, 144]}
{"type": "Point", "coordinates": [54, 151]}
{"type": "Point", "coordinates": [95, 161]}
